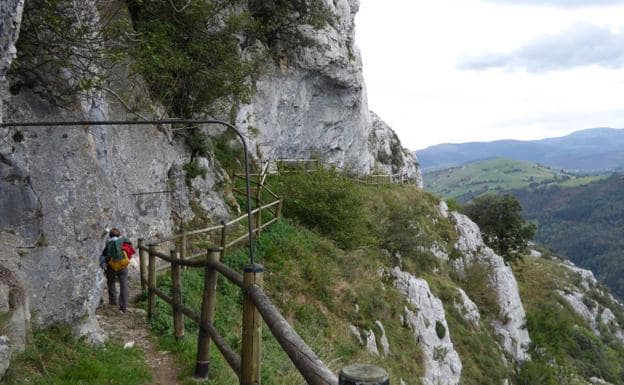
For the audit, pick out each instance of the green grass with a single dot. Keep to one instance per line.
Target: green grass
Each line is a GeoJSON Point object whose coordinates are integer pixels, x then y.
{"type": "Point", "coordinates": [497, 175]}
{"type": "Point", "coordinates": [564, 348]}
{"type": "Point", "coordinates": [55, 357]}
{"type": "Point", "coordinates": [317, 283]}
{"type": "Point", "coordinates": [316, 286]}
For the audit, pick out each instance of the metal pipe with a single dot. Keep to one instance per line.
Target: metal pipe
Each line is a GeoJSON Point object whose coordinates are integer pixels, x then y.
{"type": "Point", "coordinates": [162, 121]}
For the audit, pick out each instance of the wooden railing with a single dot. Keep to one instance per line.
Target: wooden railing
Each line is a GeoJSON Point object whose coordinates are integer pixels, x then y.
{"type": "Point", "coordinates": [289, 166]}
{"type": "Point", "coordinates": [257, 306]}
{"type": "Point", "coordinates": [226, 235]}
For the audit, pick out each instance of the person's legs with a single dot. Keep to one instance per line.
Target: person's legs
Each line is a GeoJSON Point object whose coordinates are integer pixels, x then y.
{"type": "Point", "coordinates": [123, 289]}
{"type": "Point", "coordinates": [110, 282]}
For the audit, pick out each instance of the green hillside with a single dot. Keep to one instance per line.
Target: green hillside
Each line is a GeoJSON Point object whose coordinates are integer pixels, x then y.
{"type": "Point", "coordinates": [328, 266]}
{"type": "Point", "coordinates": [496, 175]}
{"type": "Point", "coordinates": [585, 223]}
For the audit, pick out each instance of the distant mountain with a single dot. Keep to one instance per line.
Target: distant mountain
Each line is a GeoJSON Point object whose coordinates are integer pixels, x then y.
{"type": "Point", "coordinates": [591, 150]}
{"type": "Point", "coordinates": [585, 223]}
{"type": "Point", "coordinates": [497, 175]}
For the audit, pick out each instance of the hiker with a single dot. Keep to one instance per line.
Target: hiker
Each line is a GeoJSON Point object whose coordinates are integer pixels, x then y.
{"type": "Point", "coordinates": [114, 260]}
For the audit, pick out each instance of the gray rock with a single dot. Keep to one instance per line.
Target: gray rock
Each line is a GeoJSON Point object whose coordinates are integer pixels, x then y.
{"type": "Point", "coordinates": [467, 308]}
{"type": "Point", "coordinates": [313, 103]}
{"type": "Point", "coordinates": [383, 340]}
{"type": "Point", "coordinates": [511, 329]}
{"type": "Point", "coordinates": [442, 363]}
{"type": "Point", "coordinates": [371, 343]}
{"type": "Point", "coordinates": [5, 354]}
{"type": "Point", "coordinates": [61, 187]}
{"type": "Point", "coordinates": [355, 331]}
{"type": "Point", "coordinates": [10, 20]}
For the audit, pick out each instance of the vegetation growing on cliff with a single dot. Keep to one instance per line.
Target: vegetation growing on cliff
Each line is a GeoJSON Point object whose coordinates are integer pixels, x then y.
{"type": "Point", "coordinates": [564, 348]}
{"type": "Point", "coordinates": [64, 51]}
{"type": "Point", "coordinates": [501, 223]}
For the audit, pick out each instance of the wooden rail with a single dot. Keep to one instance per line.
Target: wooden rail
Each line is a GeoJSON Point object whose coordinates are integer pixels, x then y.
{"type": "Point", "coordinates": [223, 235]}
{"type": "Point", "coordinates": [290, 166]}
{"type": "Point", "coordinates": [257, 307]}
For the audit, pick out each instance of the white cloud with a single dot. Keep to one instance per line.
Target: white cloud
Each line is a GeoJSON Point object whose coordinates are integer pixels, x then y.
{"type": "Point", "coordinates": [562, 3]}
{"type": "Point", "coordinates": [410, 51]}
{"type": "Point", "coordinates": [580, 45]}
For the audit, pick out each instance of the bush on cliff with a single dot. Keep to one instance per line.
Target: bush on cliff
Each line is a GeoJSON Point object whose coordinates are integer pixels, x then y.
{"type": "Point", "coordinates": [327, 203]}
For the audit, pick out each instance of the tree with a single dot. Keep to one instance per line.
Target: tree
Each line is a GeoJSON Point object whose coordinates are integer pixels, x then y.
{"type": "Point", "coordinates": [502, 225]}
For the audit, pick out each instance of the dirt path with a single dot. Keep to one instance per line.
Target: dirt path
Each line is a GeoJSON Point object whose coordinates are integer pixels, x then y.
{"type": "Point", "coordinates": [132, 328]}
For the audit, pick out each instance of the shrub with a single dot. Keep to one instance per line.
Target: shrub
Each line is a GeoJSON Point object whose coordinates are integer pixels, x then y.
{"type": "Point", "coordinates": [440, 330]}
{"type": "Point", "coordinates": [326, 203]}
{"type": "Point", "coordinates": [194, 169]}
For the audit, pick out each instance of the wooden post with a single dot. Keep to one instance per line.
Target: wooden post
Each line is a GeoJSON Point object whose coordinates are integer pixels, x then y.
{"type": "Point", "coordinates": [151, 282]}
{"type": "Point", "coordinates": [362, 374]}
{"type": "Point", "coordinates": [142, 265]}
{"type": "Point", "coordinates": [183, 245]}
{"type": "Point", "coordinates": [258, 221]}
{"type": "Point", "coordinates": [176, 293]}
{"type": "Point", "coordinates": [223, 238]}
{"type": "Point", "coordinates": [259, 214]}
{"type": "Point", "coordinates": [252, 328]}
{"type": "Point", "coordinates": [278, 210]}
{"type": "Point", "coordinates": [207, 315]}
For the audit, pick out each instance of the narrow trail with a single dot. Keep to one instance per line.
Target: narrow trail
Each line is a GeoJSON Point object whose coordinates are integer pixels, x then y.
{"type": "Point", "coordinates": [132, 328]}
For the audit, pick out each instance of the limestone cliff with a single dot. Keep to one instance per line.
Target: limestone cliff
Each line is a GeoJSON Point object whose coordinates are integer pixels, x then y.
{"type": "Point", "coordinates": [313, 102]}
{"type": "Point", "coordinates": [62, 187]}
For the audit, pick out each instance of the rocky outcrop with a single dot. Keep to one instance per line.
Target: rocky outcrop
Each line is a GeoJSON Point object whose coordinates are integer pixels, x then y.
{"type": "Point", "coordinates": [467, 308]}
{"type": "Point", "coordinates": [426, 318]}
{"type": "Point", "coordinates": [509, 326]}
{"type": "Point", "coordinates": [390, 157]}
{"type": "Point", "coordinates": [63, 186]}
{"type": "Point", "coordinates": [597, 316]}
{"type": "Point", "coordinates": [312, 102]}
{"type": "Point", "coordinates": [14, 305]}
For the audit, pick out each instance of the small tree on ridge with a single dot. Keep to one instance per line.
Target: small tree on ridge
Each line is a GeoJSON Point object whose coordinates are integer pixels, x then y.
{"type": "Point", "coordinates": [501, 223]}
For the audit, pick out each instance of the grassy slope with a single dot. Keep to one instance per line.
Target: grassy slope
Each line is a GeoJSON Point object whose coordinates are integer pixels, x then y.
{"type": "Point", "coordinates": [564, 348]}
{"type": "Point", "coordinates": [499, 174]}
{"type": "Point", "coordinates": [54, 357]}
{"type": "Point", "coordinates": [318, 284]}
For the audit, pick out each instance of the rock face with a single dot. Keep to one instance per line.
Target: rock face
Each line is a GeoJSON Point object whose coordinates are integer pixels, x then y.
{"type": "Point", "coordinates": [510, 327]}
{"type": "Point", "coordinates": [596, 315]}
{"type": "Point", "coordinates": [428, 322]}
{"type": "Point", "coordinates": [61, 187]}
{"type": "Point", "coordinates": [467, 308]}
{"type": "Point", "coordinates": [313, 103]}
{"type": "Point", "coordinates": [14, 305]}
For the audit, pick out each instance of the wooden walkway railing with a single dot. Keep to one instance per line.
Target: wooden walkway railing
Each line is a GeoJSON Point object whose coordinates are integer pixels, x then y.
{"type": "Point", "coordinates": [288, 166]}
{"type": "Point", "coordinates": [257, 306]}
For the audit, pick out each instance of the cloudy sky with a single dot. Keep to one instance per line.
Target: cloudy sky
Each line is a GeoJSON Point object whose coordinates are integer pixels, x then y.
{"type": "Point", "coordinates": [443, 71]}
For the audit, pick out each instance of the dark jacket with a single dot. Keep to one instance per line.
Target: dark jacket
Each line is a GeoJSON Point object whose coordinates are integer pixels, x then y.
{"type": "Point", "coordinates": [113, 249]}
